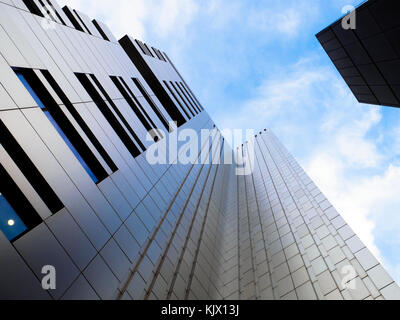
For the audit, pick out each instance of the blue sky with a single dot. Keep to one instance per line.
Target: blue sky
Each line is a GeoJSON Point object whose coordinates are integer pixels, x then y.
{"type": "Point", "coordinates": [257, 64]}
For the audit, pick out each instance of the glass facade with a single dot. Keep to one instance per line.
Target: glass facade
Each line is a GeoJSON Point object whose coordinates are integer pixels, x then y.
{"type": "Point", "coordinates": [368, 57]}
{"type": "Point", "coordinates": [10, 223]}
{"type": "Point", "coordinates": [171, 230]}
{"type": "Point", "coordinates": [56, 126]}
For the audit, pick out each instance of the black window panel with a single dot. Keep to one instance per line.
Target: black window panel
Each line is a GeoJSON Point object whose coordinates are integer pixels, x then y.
{"type": "Point", "coordinates": [29, 170]}
{"type": "Point", "coordinates": [161, 55]}
{"type": "Point", "coordinates": [139, 43]}
{"type": "Point", "coordinates": [83, 23]}
{"type": "Point", "coordinates": [72, 18]}
{"type": "Point", "coordinates": [57, 89]}
{"type": "Point", "coordinates": [135, 106]}
{"type": "Point", "coordinates": [194, 106]}
{"type": "Point", "coordinates": [187, 87]}
{"type": "Point", "coordinates": [189, 95]}
{"type": "Point", "coordinates": [48, 12]}
{"type": "Point", "coordinates": [105, 110]}
{"type": "Point", "coordinates": [138, 103]}
{"type": "Point", "coordinates": [116, 110]}
{"type": "Point", "coordinates": [33, 8]}
{"type": "Point", "coordinates": [157, 53]}
{"type": "Point", "coordinates": [153, 82]}
{"type": "Point", "coordinates": [184, 101]}
{"type": "Point", "coordinates": [150, 102]}
{"type": "Point", "coordinates": [18, 201]}
{"type": "Point", "coordinates": [100, 30]}
{"type": "Point", "coordinates": [56, 12]}
{"type": "Point", "coordinates": [180, 96]}
{"type": "Point", "coordinates": [131, 103]}
{"type": "Point", "coordinates": [176, 99]}
{"type": "Point", "coordinates": [64, 123]}
{"type": "Point", "coordinates": [148, 50]}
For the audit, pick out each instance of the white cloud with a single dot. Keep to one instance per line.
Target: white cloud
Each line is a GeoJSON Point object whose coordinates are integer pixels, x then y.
{"type": "Point", "coordinates": [352, 145]}
{"type": "Point", "coordinates": [288, 20]}
{"type": "Point", "coordinates": [137, 17]}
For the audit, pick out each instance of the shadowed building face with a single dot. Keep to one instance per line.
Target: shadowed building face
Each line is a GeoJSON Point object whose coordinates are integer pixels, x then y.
{"type": "Point", "coordinates": [78, 193]}
{"type": "Point", "coordinates": [368, 57]}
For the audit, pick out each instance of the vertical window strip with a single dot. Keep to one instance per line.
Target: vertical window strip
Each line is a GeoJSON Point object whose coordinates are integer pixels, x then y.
{"type": "Point", "coordinates": [191, 98]}
{"type": "Point", "coordinates": [56, 12]}
{"type": "Point", "coordinates": [75, 114]}
{"type": "Point", "coordinates": [131, 103]}
{"type": "Point", "coordinates": [33, 8]}
{"type": "Point", "coordinates": [194, 108]}
{"type": "Point", "coordinates": [117, 111]}
{"type": "Point", "coordinates": [148, 50]}
{"type": "Point", "coordinates": [184, 101]}
{"type": "Point", "coordinates": [140, 44]}
{"type": "Point", "coordinates": [176, 99]}
{"type": "Point", "coordinates": [47, 12]}
{"type": "Point", "coordinates": [100, 30]}
{"type": "Point", "coordinates": [72, 18]}
{"type": "Point", "coordinates": [62, 125]}
{"type": "Point", "coordinates": [81, 21]}
{"type": "Point", "coordinates": [108, 114]}
{"type": "Point", "coordinates": [151, 102]}
{"type": "Point", "coordinates": [29, 170]}
{"type": "Point", "coordinates": [17, 214]}
{"type": "Point", "coordinates": [137, 102]}
{"type": "Point", "coordinates": [135, 108]}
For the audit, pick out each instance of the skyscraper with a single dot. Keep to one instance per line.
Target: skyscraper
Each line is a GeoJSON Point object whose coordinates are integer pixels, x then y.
{"type": "Point", "coordinates": [84, 215]}
{"type": "Point", "coordinates": [368, 57]}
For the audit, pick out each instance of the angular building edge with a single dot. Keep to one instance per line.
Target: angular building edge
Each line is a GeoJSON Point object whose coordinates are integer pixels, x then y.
{"type": "Point", "coordinates": [78, 104]}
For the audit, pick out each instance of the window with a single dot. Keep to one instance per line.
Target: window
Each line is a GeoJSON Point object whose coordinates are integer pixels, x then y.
{"type": "Point", "coordinates": [148, 50]}
{"type": "Point", "coordinates": [194, 108]}
{"type": "Point", "coordinates": [61, 123]}
{"type": "Point", "coordinates": [100, 30]}
{"type": "Point", "coordinates": [120, 125]}
{"type": "Point", "coordinates": [151, 102]}
{"type": "Point", "coordinates": [17, 215]}
{"type": "Point", "coordinates": [56, 12]}
{"type": "Point", "coordinates": [184, 101]}
{"type": "Point", "coordinates": [47, 12]}
{"type": "Point", "coordinates": [29, 170]}
{"type": "Point", "coordinates": [189, 96]}
{"type": "Point", "coordinates": [176, 99]}
{"type": "Point", "coordinates": [83, 23]}
{"type": "Point", "coordinates": [142, 47]}
{"type": "Point", "coordinates": [167, 104]}
{"type": "Point", "coordinates": [33, 8]}
{"type": "Point", "coordinates": [157, 54]}
{"type": "Point", "coordinates": [134, 104]}
{"type": "Point", "coordinates": [49, 78]}
{"type": "Point", "coordinates": [72, 18]}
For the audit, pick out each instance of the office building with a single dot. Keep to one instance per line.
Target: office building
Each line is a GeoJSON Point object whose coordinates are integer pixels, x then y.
{"type": "Point", "coordinates": [368, 57]}
{"type": "Point", "coordinates": [78, 194]}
